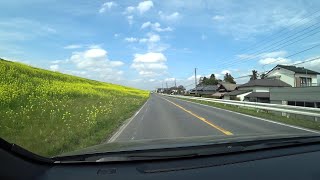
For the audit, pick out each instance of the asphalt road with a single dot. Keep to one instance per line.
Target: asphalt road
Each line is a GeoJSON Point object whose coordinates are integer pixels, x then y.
{"type": "Point", "coordinates": [167, 117]}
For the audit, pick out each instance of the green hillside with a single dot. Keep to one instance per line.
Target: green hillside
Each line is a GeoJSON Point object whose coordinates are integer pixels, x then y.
{"type": "Point", "coordinates": [50, 113]}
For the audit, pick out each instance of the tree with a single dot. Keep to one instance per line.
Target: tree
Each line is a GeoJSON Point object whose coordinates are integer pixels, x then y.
{"type": "Point", "coordinates": [228, 78]}
{"type": "Point", "coordinates": [254, 75]}
{"type": "Point", "coordinates": [263, 76]}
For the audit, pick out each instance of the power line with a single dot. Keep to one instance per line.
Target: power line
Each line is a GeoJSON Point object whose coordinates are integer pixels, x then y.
{"type": "Point", "coordinates": [280, 32]}
{"type": "Point", "coordinates": [310, 60]}
{"type": "Point", "coordinates": [237, 59]}
{"type": "Point", "coordinates": [278, 48]}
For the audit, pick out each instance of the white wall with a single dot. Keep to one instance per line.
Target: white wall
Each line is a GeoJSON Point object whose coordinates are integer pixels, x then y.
{"type": "Point", "coordinates": [289, 76]}
{"type": "Point", "coordinates": [241, 96]}
{"type": "Point", "coordinates": [256, 89]}
{"type": "Point", "coordinates": [285, 75]}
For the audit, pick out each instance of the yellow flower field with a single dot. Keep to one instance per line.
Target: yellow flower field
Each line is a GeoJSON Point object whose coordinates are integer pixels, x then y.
{"type": "Point", "coordinates": [50, 113]}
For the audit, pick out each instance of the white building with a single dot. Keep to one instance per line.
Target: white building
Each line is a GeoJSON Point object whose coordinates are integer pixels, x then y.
{"type": "Point", "coordinates": [295, 76]}
{"type": "Point", "coordinates": [260, 88]}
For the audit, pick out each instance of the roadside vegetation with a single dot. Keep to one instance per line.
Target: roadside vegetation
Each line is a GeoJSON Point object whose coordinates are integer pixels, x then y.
{"type": "Point", "coordinates": [310, 124]}
{"type": "Point", "coordinates": [50, 113]}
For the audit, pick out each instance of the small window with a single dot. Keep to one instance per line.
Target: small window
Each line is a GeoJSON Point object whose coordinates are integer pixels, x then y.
{"type": "Point", "coordinates": [291, 103]}
{"type": "Point", "coordinates": [309, 104]}
{"type": "Point", "coordinates": [299, 103]}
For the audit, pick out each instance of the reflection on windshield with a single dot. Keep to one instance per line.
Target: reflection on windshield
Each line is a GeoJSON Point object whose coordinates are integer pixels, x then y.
{"type": "Point", "coordinates": [75, 77]}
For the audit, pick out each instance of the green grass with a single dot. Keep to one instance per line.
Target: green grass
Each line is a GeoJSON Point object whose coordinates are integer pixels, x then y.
{"type": "Point", "coordinates": [310, 124]}
{"type": "Point", "coordinates": [50, 113]}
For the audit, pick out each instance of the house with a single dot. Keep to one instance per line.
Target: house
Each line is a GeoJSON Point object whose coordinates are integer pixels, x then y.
{"type": "Point", "coordinates": [204, 90]}
{"type": "Point", "coordinates": [260, 89]}
{"type": "Point", "coordinates": [296, 96]}
{"type": "Point", "coordinates": [223, 88]}
{"type": "Point", "coordinates": [236, 95]}
{"type": "Point", "coordinates": [295, 76]}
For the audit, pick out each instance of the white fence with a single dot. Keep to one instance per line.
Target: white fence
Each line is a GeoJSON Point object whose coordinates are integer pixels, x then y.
{"type": "Point", "coordinates": [305, 111]}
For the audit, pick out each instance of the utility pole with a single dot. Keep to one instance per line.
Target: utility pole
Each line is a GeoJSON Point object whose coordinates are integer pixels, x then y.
{"type": "Point", "coordinates": [195, 79]}
{"type": "Point", "coordinates": [175, 83]}
{"type": "Point", "coordinates": [167, 85]}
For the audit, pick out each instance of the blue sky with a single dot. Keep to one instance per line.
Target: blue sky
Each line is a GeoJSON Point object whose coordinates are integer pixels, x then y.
{"type": "Point", "coordinates": [146, 43]}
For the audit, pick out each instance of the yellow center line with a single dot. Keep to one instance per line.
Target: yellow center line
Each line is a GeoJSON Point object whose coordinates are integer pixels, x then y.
{"type": "Point", "coordinates": [202, 119]}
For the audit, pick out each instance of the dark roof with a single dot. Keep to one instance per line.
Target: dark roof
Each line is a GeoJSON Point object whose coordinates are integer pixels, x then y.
{"type": "Point", "coordinates": [228, 86]}
{"type": "Point", "coordinates": [258, 95]}
{"type": "Point", "coordinates": [265, 83]}
{"type": "Point", "coordinates": [300, 70]}
{"type": "Point", "coordinates": [210, 88]}
{"type": "Point", "coordinates": [206, 88]}
{"type": "Point", "coordinates": [237, 92]}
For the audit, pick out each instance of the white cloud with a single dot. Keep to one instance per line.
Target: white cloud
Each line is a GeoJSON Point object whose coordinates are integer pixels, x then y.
{"type": "Point", "coordinates": [130, 19]}
{"type": "Point", "coordinates": [106, 6]}
{"type": "Point", "coordinates": [155, 26]}
{"type": "Point", "coordinates": [116, 35]}
{"type": "Point", "coordinates": [225, 72]}
{"type": "Point", "coordinates": [73, 46]}
{"type": "Point", "coordinates": [191, 78]}
{"type": "Point", "coordinates": [170, 79]}
{"type": "Point", "coordinates": [273, 54]}
{"type": "Point", "coordinates": [131, 39]}
{"type": "Point", "coordinates": [218, 18]}
{"type": "Point", "coordinates": [144, 6]}
{"type": "Point", "coordinates": [169, 17]}
{"type": "Point", "coordinates": [151, 38]}
{"type": "Point", "coordinates": [54, 67]}
{"type": "Point", "coordinates": [130, 9]}
{"type": "Point", "coordinates": [152, 80]}
{"type": "Point", "coordinates": [150, 64]}
{"type": "Point", "coordinates": [278, 60]}
{"type": "Point", "coordinates": [149, 58]}
{"type": "Point", "coordinates": [95, 61]}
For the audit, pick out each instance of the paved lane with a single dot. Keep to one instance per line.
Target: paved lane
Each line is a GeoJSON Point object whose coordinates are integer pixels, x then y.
{"type": "Point", "coordinates": [166, 117]}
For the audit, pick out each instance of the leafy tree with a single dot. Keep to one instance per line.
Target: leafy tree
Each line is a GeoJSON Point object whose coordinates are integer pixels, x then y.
{"type": "Point", "coordinates": [228, 78]}
{"type": "Point", "coordinates": [263, 76]}
{"type": "Point", "coordinates": [254, 75]}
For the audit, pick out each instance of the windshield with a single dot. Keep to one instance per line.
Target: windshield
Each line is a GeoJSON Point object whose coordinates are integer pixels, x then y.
{"type": "Point", "coordinates": [101, 76]}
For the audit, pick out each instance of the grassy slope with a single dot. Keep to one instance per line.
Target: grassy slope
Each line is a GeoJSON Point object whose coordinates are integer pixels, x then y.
{"type": "Point", "coordinates": [263, 114]}
{"type": "Point", "coordinates": [50, 113]}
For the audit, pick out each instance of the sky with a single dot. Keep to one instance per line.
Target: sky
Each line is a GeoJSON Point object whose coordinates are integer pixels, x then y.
{"type": "Point", "coordinates": [150, 44]}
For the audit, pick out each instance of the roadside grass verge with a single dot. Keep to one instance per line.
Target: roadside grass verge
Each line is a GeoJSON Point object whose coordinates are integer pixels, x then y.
{"type": "Point", "coordinates": [310, 124]}
{"type": "Point", "coordinates": [51, 113]}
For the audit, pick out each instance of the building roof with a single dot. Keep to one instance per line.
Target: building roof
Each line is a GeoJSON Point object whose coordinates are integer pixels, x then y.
{"type": "Point", "coordinates": [265, 83]}
{"type": "Point", "coordinates": [237, 92]}
{"type": "Point", "coordinates": [258, 95]}
{"type": "Point", "coordinates": [300, 70]}
{"type": "Point", "coordinates": [218, 94]}
{"type": "Point", "coordinates": [210, 88]}
{"type": "Point", "coordinates": [228, 86]}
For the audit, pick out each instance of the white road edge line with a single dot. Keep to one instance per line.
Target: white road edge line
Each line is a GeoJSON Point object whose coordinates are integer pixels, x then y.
{"type": "Point", "coordinates": [279, 123]}
{"type": "Point", "coordinates": [117, 134]}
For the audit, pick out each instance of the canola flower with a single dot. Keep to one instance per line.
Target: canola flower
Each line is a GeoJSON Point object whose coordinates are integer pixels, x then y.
{"type": "Point", "coordinates": [50, 113]}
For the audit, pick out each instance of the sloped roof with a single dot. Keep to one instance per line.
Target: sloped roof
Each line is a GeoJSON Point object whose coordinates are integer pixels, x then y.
{"type": "Point", "coordinates": [229, 86]}
{"type": "Point", "coordinates": [237, 92]}
{"type": "Point", "coordinates": [265, 83]}
{"type": "Point", "coordinates": [210, 88]}
{"type": "Point", "coordinates": [218, 94]}
{"type": "Point", "coordinates": [258, 94]}
{"type": "Point", "coordinates": [300, 70]}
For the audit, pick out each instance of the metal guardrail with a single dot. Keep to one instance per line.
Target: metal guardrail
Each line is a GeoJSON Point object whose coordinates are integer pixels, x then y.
{"type": "Point", "coordinates": [313, 112]}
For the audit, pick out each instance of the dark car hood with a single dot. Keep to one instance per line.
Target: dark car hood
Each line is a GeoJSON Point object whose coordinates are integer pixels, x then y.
{"type": "Point", "coordinates": [176, 142]}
